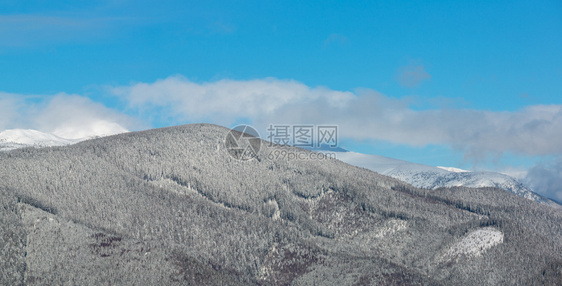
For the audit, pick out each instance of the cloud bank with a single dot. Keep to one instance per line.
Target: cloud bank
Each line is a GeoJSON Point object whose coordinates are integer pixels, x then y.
{"type": "Point", "coordinates": [547, 179]}
{"type": "Point", "coordinates": [361, 114]}
{"type": "Point", "coordinates": [224, 101]}
{"type": "Point", "coordinates": [67, 116]}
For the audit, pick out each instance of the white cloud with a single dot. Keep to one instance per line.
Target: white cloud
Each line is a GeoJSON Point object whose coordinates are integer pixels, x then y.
{"type": "Point", "coordinates": [67, 116]}
{"type": "Point", "coordinates": [73, 117]}
{"type": "Point", "coordinates": [363, 114]}
{"type": "Point", "coordinates": [224, 101]}
{"type": "Point", "coordinates": [546, 179]}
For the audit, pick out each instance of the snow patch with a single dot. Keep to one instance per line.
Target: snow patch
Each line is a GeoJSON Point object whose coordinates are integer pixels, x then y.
{"type": "Point", "coordinates": [475, 243]}
{"type": "Point", "coordinates": [453, 169]}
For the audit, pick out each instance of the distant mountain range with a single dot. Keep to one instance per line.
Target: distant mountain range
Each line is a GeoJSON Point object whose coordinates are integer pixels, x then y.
{"type": "Point", "coordinates": [423, 176]}
{"type": "Point", "coordinates": [20, 138]}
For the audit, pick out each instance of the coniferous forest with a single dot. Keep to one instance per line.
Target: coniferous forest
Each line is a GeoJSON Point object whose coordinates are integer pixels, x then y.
{"type": "Point", "coordinates": [171, 207]}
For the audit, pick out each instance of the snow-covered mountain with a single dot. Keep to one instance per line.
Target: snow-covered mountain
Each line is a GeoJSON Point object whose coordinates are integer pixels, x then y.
{"type": "Point", "coordinates": [19, 138]}
{"type": "Point", "coordinates": [430, 177]}
{"type": "Point", "coordinates": [418, 175]}
{"type": "Point", "coordinates": [172, 206]}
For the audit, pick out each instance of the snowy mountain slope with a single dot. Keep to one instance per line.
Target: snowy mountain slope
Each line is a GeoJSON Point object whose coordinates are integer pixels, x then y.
{"type": "Point", "coordinates": [429, 177]}
{"type": "Point", "coordinates": [171, 206]}
{"type": "Point", "coordinates": [419, 175]}
{"type": "Point", "coordinates": [19, 138]}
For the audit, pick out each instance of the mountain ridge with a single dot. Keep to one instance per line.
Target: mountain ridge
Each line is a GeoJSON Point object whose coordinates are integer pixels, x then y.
{"type": "Point", "coordinates": [419, 175]}
{"type": "Point", "coordinates": [424, 176]}
{"type": "Point", "coordinates": [11, 139]}
{"type": "Point", "coordinates": [176, 198]}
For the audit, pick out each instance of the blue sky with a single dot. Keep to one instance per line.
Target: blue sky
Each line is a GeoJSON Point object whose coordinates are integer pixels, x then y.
{"type": "Point", "coordinates": [455, 83]}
